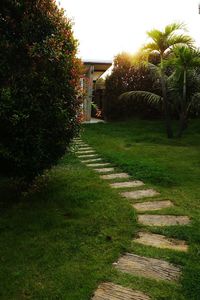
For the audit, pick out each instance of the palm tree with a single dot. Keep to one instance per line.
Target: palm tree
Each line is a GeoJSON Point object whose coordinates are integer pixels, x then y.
{"type": "Point", "coordinates": [184, 59]}
{"type": "Point", "coordinates": [162, 42]}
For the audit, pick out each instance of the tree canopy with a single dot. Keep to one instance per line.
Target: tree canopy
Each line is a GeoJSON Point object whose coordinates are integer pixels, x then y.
{"type": "Point", "coordinates": [39, 78]}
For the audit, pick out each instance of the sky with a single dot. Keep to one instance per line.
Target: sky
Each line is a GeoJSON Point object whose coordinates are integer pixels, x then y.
{"type": "Point", "coordinates": [105, 28]}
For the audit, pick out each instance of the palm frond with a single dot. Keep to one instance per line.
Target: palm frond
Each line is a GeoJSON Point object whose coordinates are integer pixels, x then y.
{"type": "Point", "coordinates": [180, 39]}
{"type": "Point", "coordinates": [154, 34]}
{"type": "Point", "coordinates": [147, 96]}
{"type": "Point", "coordinates": [164, 40]}
{"type": "Point", "coordinates": [183, 58]}
{"type": "Point", "coordinates": [150, 47]}
{"type": "Point", "coordinates": [174, 27]}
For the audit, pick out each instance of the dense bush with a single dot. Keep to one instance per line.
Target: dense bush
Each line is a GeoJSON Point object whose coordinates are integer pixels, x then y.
{"type": "Point", "coordinates": [39, 77]}
{"type": "Point", "coordinates": [129, 75]}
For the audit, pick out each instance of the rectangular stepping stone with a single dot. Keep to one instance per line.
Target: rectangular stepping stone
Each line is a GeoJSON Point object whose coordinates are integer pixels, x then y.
{"type": "Point", "coordinates": [160, 241]}
{"type": "Point", "coordinates": [140, 194]}
{"type": "Point", "coordinates": [126, 184]}
{"type": "Point", "coordinates": [91, 160]}
{"type": "Point", "coordinates": [98, 165]}
{"type": "Point", "coordinates": [104, 170]}
{"type": "Point", "coordinates": [163, 220]}
{"type": "Point", "coordinates": [114, 176]}
{"type": "Point", "coordinates": [111, 291]}
{"type": "Point", "coordinates": [148, 267]}
{"type": "Point", "coordinates": [87, 155]}
{"type": "Point", "coordinates": [85, 151]}
{"type": "Point", "coordinates": [81, 145]}
{"type": "Point", "coordinates": [152, 205]}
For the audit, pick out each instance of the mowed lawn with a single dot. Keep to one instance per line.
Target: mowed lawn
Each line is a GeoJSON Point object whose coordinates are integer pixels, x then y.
{"type": "Point", "coordinates": [170, 166]}
{"type": "Point", "coordinates": [59, 240]}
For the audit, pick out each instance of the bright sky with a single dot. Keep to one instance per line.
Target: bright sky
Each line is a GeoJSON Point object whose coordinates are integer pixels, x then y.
{"type": "Point", "coordinates": [106, 27]}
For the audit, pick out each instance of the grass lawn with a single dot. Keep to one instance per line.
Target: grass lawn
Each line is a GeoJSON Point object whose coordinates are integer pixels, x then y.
{"type": "Point", "coordinates": [59, 240]}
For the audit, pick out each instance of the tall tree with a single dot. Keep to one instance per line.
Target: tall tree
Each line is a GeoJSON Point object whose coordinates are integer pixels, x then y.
{"type": "Point", "coordinates": [184, 60]}
{"type": "Point", "coordinates": [161, 43]}
{"type": "Point", "coordinates": [39, 75]}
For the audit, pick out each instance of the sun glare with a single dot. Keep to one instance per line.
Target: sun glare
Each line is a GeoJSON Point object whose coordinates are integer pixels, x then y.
{"type": "Point", "coordinates": [109, 27]}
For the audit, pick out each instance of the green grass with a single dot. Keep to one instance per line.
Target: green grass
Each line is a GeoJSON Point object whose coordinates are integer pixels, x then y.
{"type": "Point", "coordinates": [59, 240]}
{"type": "Point", "coordinates": [171, 167]}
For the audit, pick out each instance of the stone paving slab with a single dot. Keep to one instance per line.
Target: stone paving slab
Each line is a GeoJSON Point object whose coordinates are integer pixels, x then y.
{"type": "Point", "coordinates": [91, 160]}
{"type": "Point", "coordinates": [163, 220]}
{"type": "Point", "coordinates": [111, 291]}
{"type": "Point", "coordinates": [140, 194]}
{"type": "Point", "coordinates": [86, 147]}
{"type": "Point", "coordinates": [152, 205]}
{"type": "Point", "coordinates": [126, 184]}
{"type": "Point", "coordinates": [98, 165]}
{"type": "Point", "coordinates": [160, 241]}
{"type": "Point", "coordinates": [115, 175]}
{"type": "Point", "coordinates": [148, 267]}
{"type": "Point", "coordinates": [85, 151]}
{"type": "Point", "coordinates": [104, 170]}
{"type": "Point", "coordinates": [87, 155]}
{"type": "Point", "coordinates": [81, 145]}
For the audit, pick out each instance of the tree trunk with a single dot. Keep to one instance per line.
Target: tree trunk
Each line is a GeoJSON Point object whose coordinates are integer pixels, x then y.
{"type": "Point", "coordinates": [183, 115]}
{"type": "Point", "coordinates": [183, 124]}
{"type": "Point", "coordinates": [166, 106]}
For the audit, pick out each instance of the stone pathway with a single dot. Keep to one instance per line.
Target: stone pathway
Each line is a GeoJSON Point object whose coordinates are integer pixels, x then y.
{"type": "Point", "coordinates": [140, 194]}
{"type": "Point", "coordinates": [85, 152]}
{"type": "Point", "coordinates": [84, 148]}
{"type": "Point", "coordinates": [160, 241]}
{"type": "Point", "coordinates": [110, 291]}
{"type": "Point", "coordinates": [104, 170]}
{"type": "Point", "coordinates": [148, 267]}
{"type": "Point", "coordinates": [152, 205]}
{"type": "Point", "coordinates": [126, 184]}
{"type": "Point", "coordinates": [163, 220]}
{"type": "Point", "coordinates": [115, 175]}
{"type": "Point", "coordinates": [91, 160]}
{"type": "Point", "coordinates": [87, 155]}
{"type": "Point", "coordinates": [94, 165]}
{"type": "Point", "coordinates": [131, 263]}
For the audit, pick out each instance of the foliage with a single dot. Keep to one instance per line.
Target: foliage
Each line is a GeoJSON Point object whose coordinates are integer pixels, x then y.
{"type": "Point", "coordinates": [185, 82]}
{"type": "Point", "coordinates": [39, 76]}
{"type": "Point", "coordinates": [170, 57]}
{"type": "Point", "coordinates": [186, 70]}
{"type": "Point", "coordinates": [162, 43]}
{"type": "Point", "coordinates": [129, 74]}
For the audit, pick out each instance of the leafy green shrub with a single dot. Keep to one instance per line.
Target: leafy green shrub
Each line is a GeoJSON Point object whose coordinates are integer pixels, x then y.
{"type": "Point", "coordinates": [39, 75]}
{"type": "Point", "coordinates": [129, 75]}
